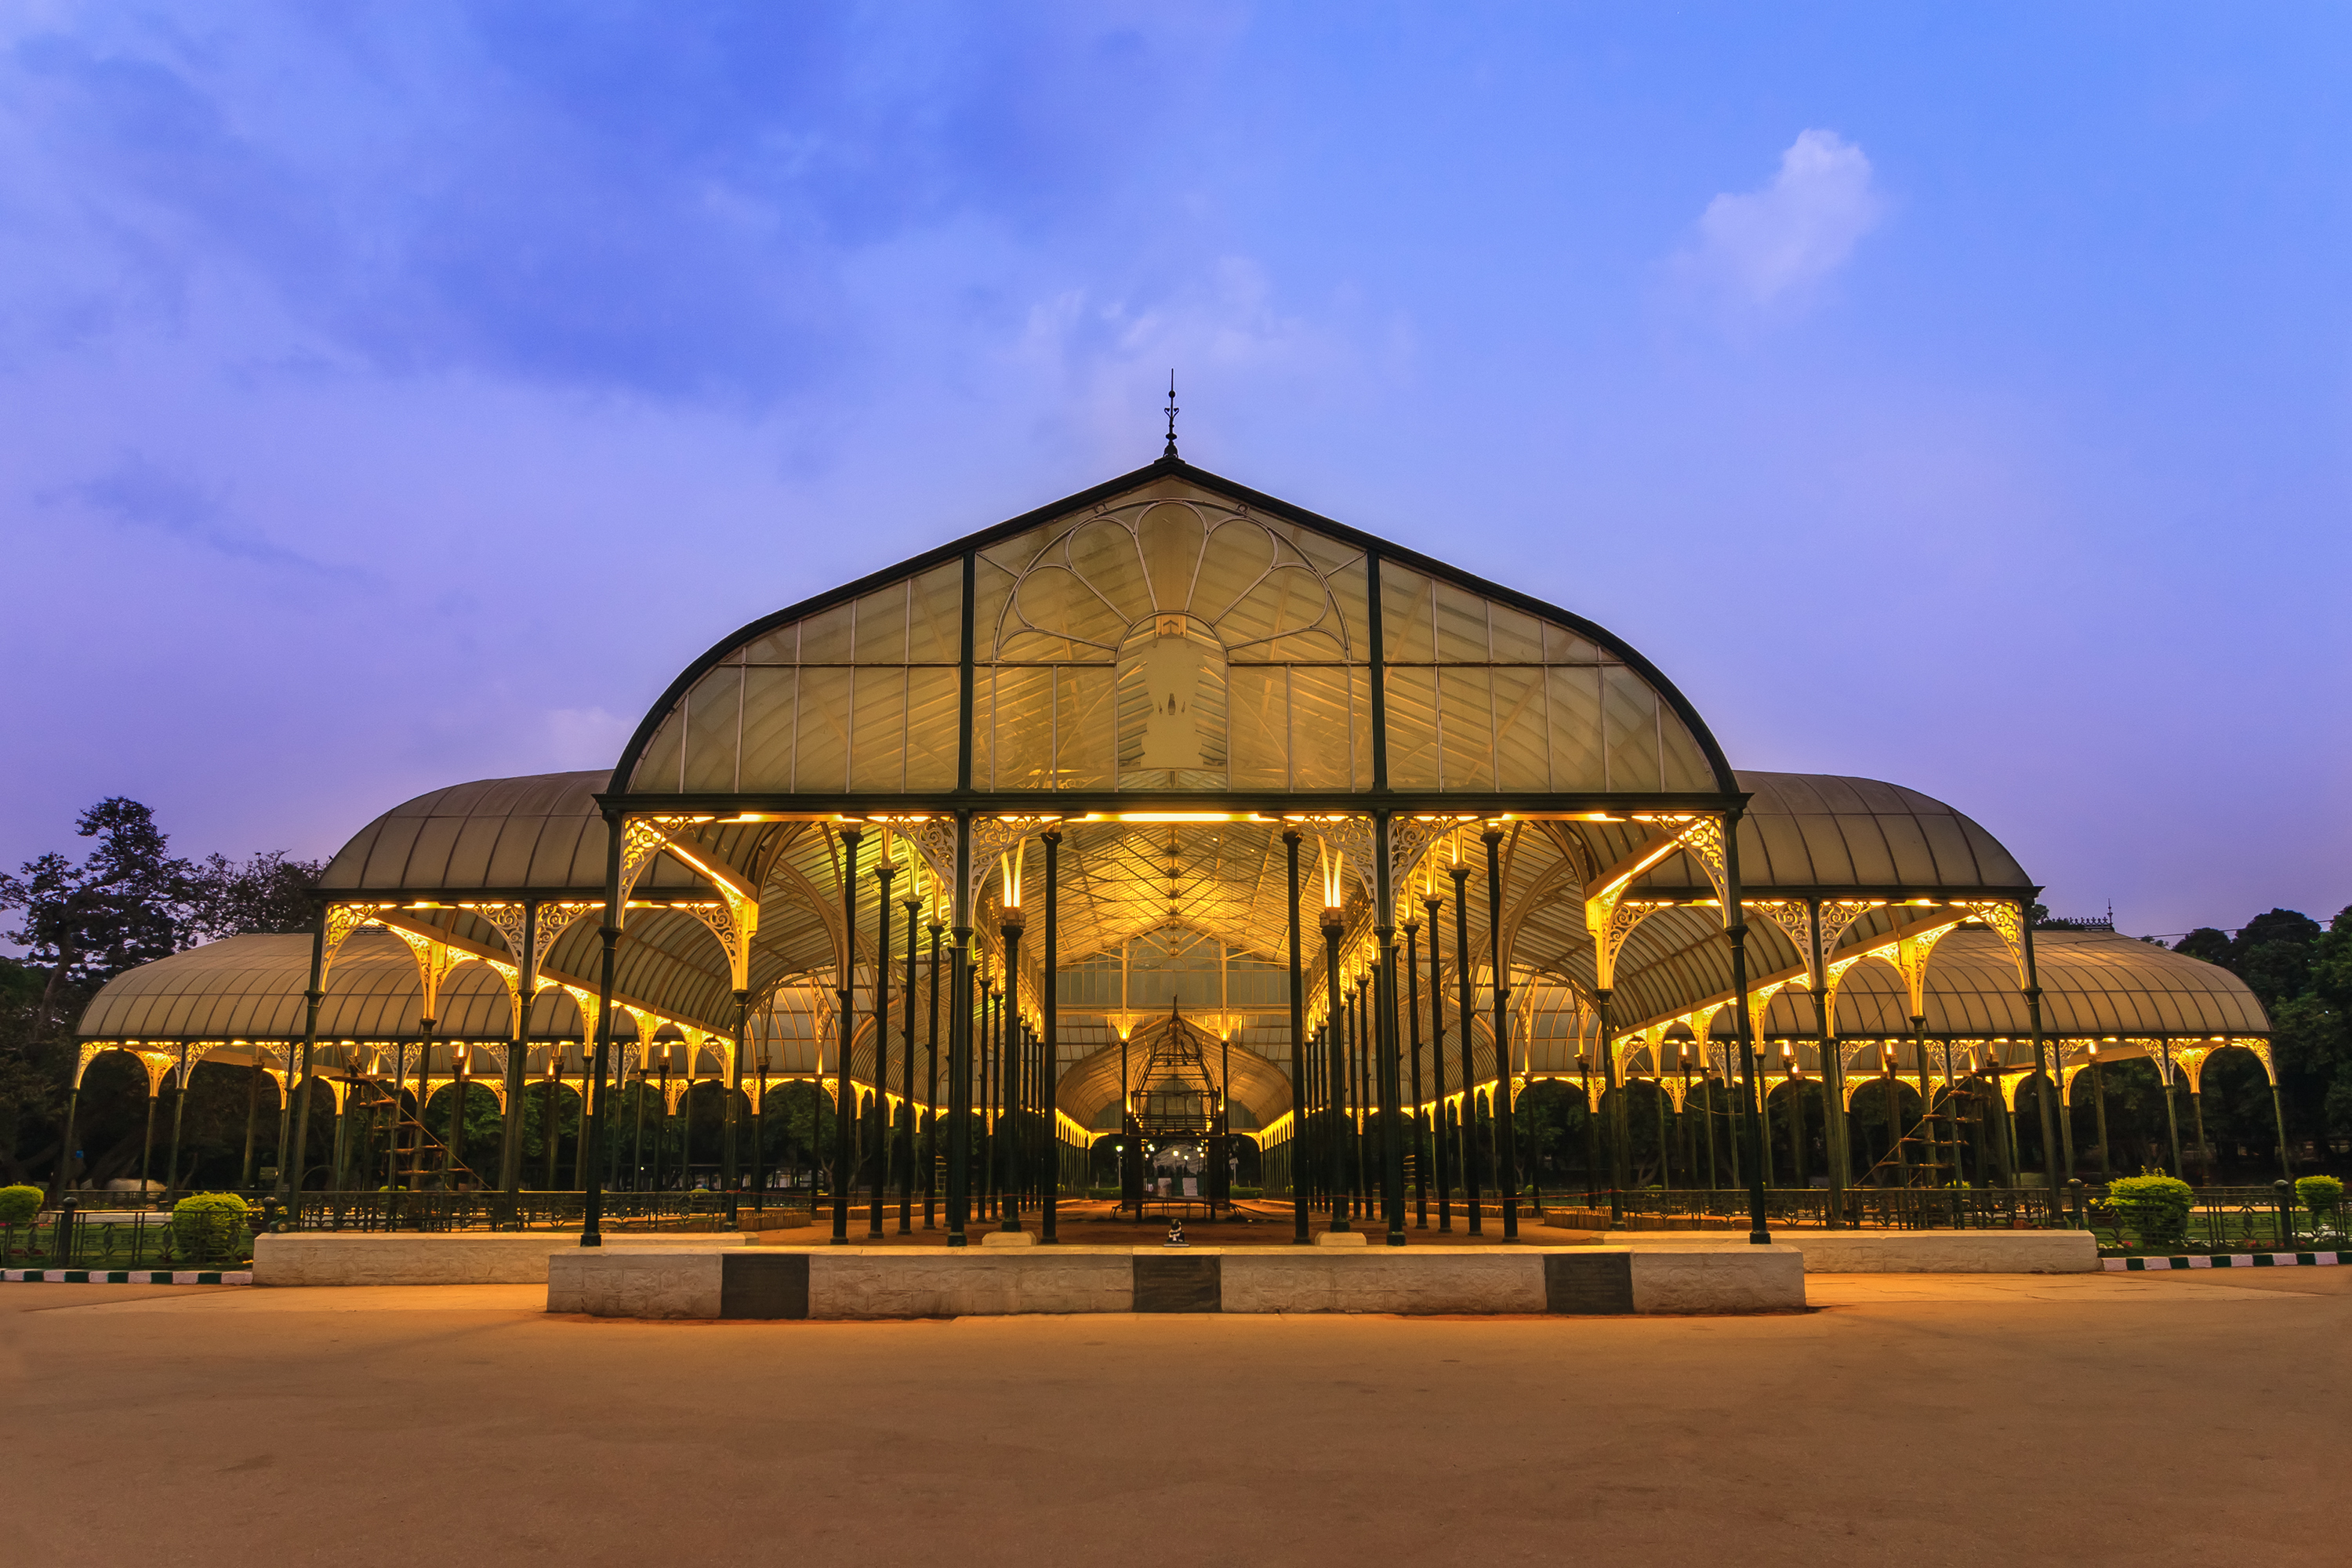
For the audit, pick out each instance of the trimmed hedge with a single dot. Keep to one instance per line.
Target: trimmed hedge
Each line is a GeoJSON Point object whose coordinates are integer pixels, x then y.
{"type": "Point", "coordinates": [2319, 1194]}
{"type": "Point", "coordinates": [207, 1227]}
{"type": "Point", "coordinates": [2156, 1205]}
{"type": "Point", "coordinates": [18, 1204]}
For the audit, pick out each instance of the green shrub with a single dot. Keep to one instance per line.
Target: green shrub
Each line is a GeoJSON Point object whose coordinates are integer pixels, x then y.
{"type": "Point", "coordinates": [18, 1204]}
{"type": "Point", "coordinates": [2156, 1205]}
{"type": "Point", "coordinates": [2320, 1194]}
{"type": "Point", "coordinates": [209, 1226]}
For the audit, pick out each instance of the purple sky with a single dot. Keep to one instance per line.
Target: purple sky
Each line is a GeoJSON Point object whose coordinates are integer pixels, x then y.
{"type": "Point", "coordinates": [400, 394]}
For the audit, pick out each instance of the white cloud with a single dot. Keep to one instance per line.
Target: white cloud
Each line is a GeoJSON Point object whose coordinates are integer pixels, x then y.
{"type": "Point", "coordinates": [1225, 324]}
{"type": "Point", "coordinates": [1762, 246]}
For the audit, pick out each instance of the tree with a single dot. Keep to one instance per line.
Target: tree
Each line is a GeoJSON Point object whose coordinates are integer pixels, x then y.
{"type": "Point", "coordinates": [125, 905]}
{"type": "Point", "coordinates": [269, 892]}
{"type": "Point", "coordinates": [2331, 961]}
{"type": "Point", "coordinates": [2303, 976]}
{"type": "Point", "coordinates": [2206, 943]}
{"type": "Point", "coordinates": [128, 902]}
{"type": "Point", "coordinates": [2272, 955]}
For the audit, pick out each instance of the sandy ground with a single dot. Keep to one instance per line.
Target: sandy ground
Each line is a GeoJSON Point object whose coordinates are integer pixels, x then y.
{"type": "Point", "coordinates": [1912, 1420]}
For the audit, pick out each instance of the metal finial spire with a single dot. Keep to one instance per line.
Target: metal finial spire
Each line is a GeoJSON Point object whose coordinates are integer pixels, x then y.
{"type": "Point", "coordinates": [1170, 455]}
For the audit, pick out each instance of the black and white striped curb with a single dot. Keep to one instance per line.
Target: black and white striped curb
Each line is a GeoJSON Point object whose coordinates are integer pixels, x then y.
{"type": "Point", "coordinates": [2228, 1260]}
{"type": "Point", "coordinates": [128, 1276]}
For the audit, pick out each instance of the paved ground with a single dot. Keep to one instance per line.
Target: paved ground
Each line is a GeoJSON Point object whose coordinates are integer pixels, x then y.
{"type": "Point", "coordinates": [1913, 1420]}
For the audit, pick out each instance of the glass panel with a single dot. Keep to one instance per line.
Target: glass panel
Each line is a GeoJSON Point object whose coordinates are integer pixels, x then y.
{"type": "Point", "coordinates": [1564, 647]}
{"type": "Point", "coordinates": [1343, 568]}
{"type": "Point", "coordinates": [1686, 765]}
{"type": "Point", "coordinates": [713, 711]}
{"type": "Point", "coordinates": [779, 646]}
{"type": "Point", "coordinates": [768, 707]}
{"type": "Point", "coordinates": [1103, 553]}
{"type": "Point", "coordinates": [1461, 625]}
{"type": "Point", "coordinates": [1467, 724]}
{"type": "Point", "coordinates": [882, 625]}
{"type": "Point", "coordinates": [1041, 647]}
{"type": "Point", "coordinates": [825, 636]}
{"type": "Point", "coordinates": [878, 761]}
{"type": "Point", "coordinates": [820, 763]}
{"type": "Point", "coordinates": [1258, 714]}
{"type": "Point", "coordinates": [1059, 603]}
{"type": "Point", "coordinates": [1360, 727]}
{"type": "Point", "coordinates": [983, 727]}
{"type": "Point", "coordinates": [1522, 759]}
{"type": "Point", "coordinates": [1024, 728]}
{"type": "Point", "coordinates": [1288, 601]}
{"type": "Point", "coordinates": [657, 769]}
{"type": "Point", "coordinates": [1023, 550]}
{"type": "Point", "coordinates": [991, 593]}
{"type": "Point", "coordinates": [1574, 698]}
{"type": "Point", "coordinates": [1516, 638]}
{"type": "Point", "coordinates": [933, 696]}
{"type": "Point", "coordinates": [1410, 692]}
{"type": "Point", "coordinates": [1408, 633]}
{"type": "Point", "coordinates": [1237, 555]}
{"type": "Point", "coordinates": [1318, 729]}
{"type": "Point", "coordinates": [1134, 701]}
{"type": "Point", "coordinates": [936, 617]}
{"type": "Point", "coordinates": [1084, 720]}
{"type": "Point", "coordinates": [1170, 536]}
{"type": "Point", "coordinates": [1299, 647]}
{"type": "Point", "coordinates": [1629, 713]}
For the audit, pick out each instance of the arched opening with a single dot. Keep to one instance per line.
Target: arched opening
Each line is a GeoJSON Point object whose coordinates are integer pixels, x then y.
{"type": "Point", "coordinates": [1172, 705]}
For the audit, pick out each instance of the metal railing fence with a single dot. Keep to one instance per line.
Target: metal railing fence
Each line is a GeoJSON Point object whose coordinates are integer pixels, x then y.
{"type": "Point", "coordinates": [1893, 1209]}
{"type": "Point", "coordinates": [116, 1239]}
{"type": "Point", "coordinates": [2222, 1220]}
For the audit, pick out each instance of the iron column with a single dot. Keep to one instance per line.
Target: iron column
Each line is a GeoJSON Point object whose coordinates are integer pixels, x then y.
{"type": "Point", "coordinates": [1419, 1131]}
{"type": "Point", "coordinates": [1505, 1124]}
{"type": "Point", "coordinates": [844, 1093]}
{"type": "Point", "coordinates": [1335, 1044]}
{"type": "Point", "coordinates": [1437, 1068]}
{"type": "Point", "coordinates": [885, 1123]}
{"type": "Point", "coordinates": [1008, 1013]}
{"type": "Point", "coordinates": [1298, 1199]}
{"type": "Point", "coordinates": [1049, 1175]}
{"type": "Point", "coordinates": [1735, 916]}
{"type": "Point", "coordinates": [592, 1151]}
{"type": "Point", "coordinates": [1467, 1129]}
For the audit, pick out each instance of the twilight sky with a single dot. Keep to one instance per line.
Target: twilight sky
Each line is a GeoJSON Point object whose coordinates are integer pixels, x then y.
{"type": "Point", "coordinates": [392, 394]}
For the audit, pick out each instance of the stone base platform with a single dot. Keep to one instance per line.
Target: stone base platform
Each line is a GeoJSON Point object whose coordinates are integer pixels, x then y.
{"type": "Point", "coordinates": [1898, 1251]}
{"type": "Point", "coordinates": [451, 1257]}
{"type": "Point", "coordinates": [619, 1281]}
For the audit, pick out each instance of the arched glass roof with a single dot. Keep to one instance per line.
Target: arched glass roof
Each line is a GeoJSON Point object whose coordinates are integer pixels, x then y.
{"type": "Point", "coordinates": [254, 988]}
{"type": "Point", "coordinates": [2092, 983]}
{"type": "Point", "coordinates": [1171, 632]}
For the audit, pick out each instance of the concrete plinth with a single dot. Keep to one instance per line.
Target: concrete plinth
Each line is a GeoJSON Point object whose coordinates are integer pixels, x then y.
{"type": "Point", "coordinates": [901, 1282]}
{"type": "Point", "coordinates": [455, 1258]}
{"type": "Point", "coordinates": [1901, 1251]}
{"type": "Point", "coordinates": [1384, 1280]}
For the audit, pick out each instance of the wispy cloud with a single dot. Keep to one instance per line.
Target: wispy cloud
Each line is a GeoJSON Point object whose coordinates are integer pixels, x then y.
{"type": "Point", "coordinates": [1767, 247]}
{"type": "Point", "coordinates": [139, 492]}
